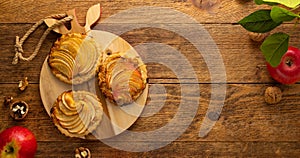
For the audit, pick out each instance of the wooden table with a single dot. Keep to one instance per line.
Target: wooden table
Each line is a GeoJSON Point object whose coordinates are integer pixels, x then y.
{"type": "Point", "coordinates": [247, 127]}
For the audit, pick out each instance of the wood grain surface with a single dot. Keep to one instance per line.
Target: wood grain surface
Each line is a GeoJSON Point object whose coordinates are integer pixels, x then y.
{"type": "Point", "coordinates": [247, 127]}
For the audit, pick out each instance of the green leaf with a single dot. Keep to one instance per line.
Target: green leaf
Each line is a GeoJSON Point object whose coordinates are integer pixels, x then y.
{"type": "Point", "coordinates": [274, 47]}
{"type": "Point", "coordinates": [288, 3]}
{"type": "Point", "coordinates": [259, 2]}
{"type": "Point", "coordinates": [279, 14]}
{"type": "Point", "coordinates": [259, 21]}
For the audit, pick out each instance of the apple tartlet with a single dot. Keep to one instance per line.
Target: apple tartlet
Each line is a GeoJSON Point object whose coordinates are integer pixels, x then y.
{"type": "Point", "coordinates": [74, 58]}
{"type": "Point", "coordinates": [77, 113]}
{"type": "Point", "coordinates": [122, 79]}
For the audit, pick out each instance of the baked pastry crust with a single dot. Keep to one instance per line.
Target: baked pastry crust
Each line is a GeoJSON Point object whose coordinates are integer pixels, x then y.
{"type": "Point", "coordinates": [77, 113]}
{"type": "Point", "coordinates": [122, 79]}
{"type": "Point", "coordinates": [74, 58]}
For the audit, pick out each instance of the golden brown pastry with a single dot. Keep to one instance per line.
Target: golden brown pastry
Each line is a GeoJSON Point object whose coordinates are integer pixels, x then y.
{"type": "Point", "coordinates": [77, 114]}
{"type": "Point", "coordinates": [74, 57]}
{"type": "Point", "coordinates": [122, 79]}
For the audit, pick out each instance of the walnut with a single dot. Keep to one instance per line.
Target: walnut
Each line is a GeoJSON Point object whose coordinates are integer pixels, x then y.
{"type": "Point", "coordinates": [273, 95]}
{"type": "Point", "coordinates": [7, 100]}
{"type": "Point", "coordinates": [23, 84]}
{"type": "Point", "coordinates": [18, 110]}
{"type": "Point", "coordinates": [82, 152]}
{"type": "Point", "coordinates": [258, 37]}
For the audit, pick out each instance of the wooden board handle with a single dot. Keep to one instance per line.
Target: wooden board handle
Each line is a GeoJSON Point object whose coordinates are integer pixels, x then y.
{"type": "Point", "coordinates": [92, 16]}
{"type": "Point", "coordinates": [75, 26]}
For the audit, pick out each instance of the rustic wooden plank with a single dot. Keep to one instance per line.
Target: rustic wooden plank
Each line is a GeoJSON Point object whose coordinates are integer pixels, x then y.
{"type": "Point", "coordinates": [248, 127]}
{"type": "Point", "coordinates": [177, 149]}
{"type": "Point", "coordinates": [225, 11]}
{"type": "Point", "coordinates": [242, 58]}
{"type": "Point", "coordinates": [13, 73]}
{"type": "Point", "coordinates": [245, 117]}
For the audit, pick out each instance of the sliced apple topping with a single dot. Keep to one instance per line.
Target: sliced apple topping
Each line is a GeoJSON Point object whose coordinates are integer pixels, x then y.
{"type": "Point", "coordinates": [122, 79]}
{"type": "Point", "coordinates": [77, 114]}
{"type": "Point", "coordinates": [74, 58]}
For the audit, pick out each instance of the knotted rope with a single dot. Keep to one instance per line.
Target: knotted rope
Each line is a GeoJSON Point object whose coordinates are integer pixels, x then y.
{"type": "Point", "coordinates": [63, 18]}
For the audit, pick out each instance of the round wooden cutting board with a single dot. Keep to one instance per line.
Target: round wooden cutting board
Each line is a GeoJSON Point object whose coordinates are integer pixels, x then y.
{"type": "Point", "coordinates": [117, 119]}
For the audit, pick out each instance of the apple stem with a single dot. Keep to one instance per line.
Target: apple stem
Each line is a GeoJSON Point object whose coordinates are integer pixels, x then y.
{"type": "Point", "coordinates": [289, 62]}
{"type": "Point", "coordinates": [9, 149]}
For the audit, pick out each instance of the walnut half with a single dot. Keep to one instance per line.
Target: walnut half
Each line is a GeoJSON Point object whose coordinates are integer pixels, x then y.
{"type": "Point", "coordinates": [273, 95]}
{"type": "Point", "coordinates": [82, 152]}
{"type": "Point", "coordinates": [258, 37]}
{"type": "Point", "coordinates": [23, 84]}
{"type": "Point", "coordinates": [7, 100]}
{"type": "Point", "coordinates": [18, 110]}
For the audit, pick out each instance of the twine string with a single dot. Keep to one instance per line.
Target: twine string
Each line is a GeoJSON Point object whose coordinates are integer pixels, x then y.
{"type": "Point", "coordinates": [62, 18]}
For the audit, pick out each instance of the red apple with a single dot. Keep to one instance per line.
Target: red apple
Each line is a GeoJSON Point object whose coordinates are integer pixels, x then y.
{"type": "Point", "coordinates": [288, 71]}
{"type": "Point", "coordinates": [17, 142]}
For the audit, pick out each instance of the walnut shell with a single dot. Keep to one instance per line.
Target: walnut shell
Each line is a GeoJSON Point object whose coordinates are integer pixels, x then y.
{"type": "Point", "coordinates": [18, 110]}
{"type": "Point", "coordinates": [273, 95]}
{"type": "Point", "coordinates": [258, 37]}
{"type": "Point", "coordinates": [82, 152]}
